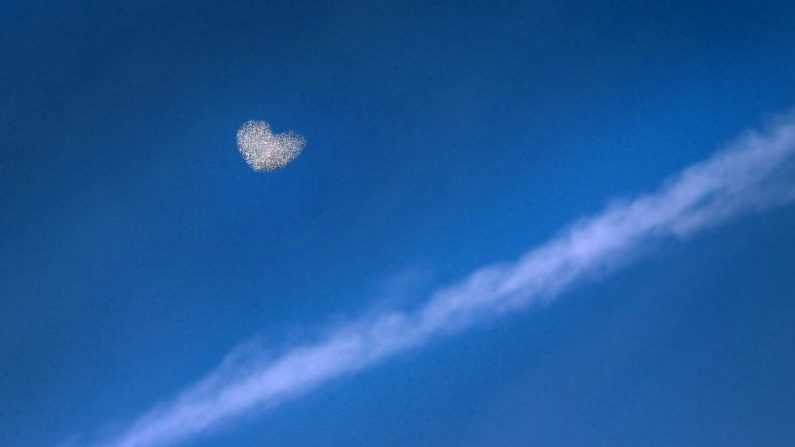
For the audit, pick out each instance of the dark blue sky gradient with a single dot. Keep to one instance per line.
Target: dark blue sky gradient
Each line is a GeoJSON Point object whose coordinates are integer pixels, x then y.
{"type": "Point", "coordinates": [137, 248]}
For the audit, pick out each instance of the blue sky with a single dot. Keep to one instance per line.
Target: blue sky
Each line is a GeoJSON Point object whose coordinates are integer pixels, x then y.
{"type": "Point", "coordinates": [138, 250]}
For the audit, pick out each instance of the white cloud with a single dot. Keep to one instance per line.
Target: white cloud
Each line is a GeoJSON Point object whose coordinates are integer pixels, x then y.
{"type": "Point", "coordinates": [754, 173]}
{"type": "Point", "coordinates": [265, 151]}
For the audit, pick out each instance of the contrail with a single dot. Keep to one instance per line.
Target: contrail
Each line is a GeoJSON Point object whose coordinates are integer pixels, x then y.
{"type": "Point", "coordinates": [754, 173]}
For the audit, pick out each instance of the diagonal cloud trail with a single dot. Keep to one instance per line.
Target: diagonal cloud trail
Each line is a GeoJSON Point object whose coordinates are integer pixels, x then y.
{"type": "Point", "coordinates": [754, 173]}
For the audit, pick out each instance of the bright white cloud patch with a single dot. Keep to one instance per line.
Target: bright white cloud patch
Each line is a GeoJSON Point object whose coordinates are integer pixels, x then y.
{"type": "Point", "coordinates": [755, 173]}
{"type": "Point", "coordinates": [265, 151]}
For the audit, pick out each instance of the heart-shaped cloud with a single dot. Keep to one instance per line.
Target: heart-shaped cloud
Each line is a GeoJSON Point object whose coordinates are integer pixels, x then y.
{"type": "Point", "coordinates": [263, 150]}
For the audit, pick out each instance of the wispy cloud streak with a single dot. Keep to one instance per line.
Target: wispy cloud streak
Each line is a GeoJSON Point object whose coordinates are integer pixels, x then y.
{"type": "Point", "coordinates": [754, 173]}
